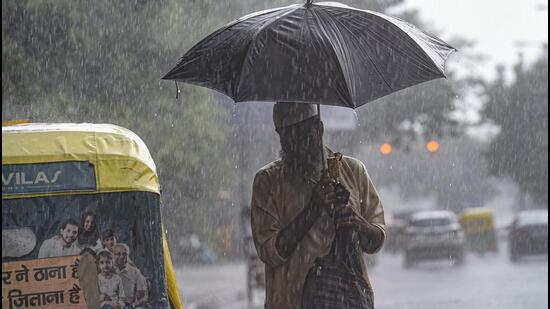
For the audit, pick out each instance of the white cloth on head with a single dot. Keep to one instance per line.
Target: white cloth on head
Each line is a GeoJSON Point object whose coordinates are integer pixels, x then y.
{"type": "Point", "coordinates": [288, 113]}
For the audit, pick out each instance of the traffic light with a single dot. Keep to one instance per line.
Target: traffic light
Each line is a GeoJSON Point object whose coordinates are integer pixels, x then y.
{"type": "Point", "coordinates": [386, 149]}
{"type": "Point", "coordinates": [432, 146]}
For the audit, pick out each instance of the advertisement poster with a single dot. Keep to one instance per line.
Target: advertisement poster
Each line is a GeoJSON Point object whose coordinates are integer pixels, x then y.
{"type": "Point", "coordinates": [44, 283]}
{"type": "Point", "coordinates": [83, 251]}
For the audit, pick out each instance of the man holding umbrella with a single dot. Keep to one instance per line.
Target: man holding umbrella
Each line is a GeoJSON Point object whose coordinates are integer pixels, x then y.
{"type": "Point", "coordinates": [323, 53]}
{"type": "Point", "coordinates": [291, 220]}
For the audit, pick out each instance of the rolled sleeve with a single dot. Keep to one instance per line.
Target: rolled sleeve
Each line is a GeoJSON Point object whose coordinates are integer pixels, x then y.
{"type": "Point", "coordinates": [265, 222]}
{"type": "Point", "coordinates": [377, 246]}
{"type": "Point", "coordinates": [269, 253]}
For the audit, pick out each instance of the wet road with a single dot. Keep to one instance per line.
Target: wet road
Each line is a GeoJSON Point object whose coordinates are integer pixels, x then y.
{"type": "Point", "coordinates": [489, 281]}
{"type": "Point", "coordinates": [484, 282]}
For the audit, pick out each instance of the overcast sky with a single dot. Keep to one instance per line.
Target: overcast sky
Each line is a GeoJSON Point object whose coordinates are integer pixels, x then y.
{"type": "Point", "coordinates": [495, 25]}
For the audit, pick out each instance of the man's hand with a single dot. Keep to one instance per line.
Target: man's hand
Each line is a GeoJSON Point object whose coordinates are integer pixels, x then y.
{"type": "Point", "coordinates": [370, 236]}
{"type": "Point", "coordinates": [348, 217]}
{"type": "Point", "coordinates": [329, 197]}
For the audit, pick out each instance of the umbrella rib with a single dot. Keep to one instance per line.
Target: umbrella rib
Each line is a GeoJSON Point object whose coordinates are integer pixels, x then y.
{"type": "Point", "coordinates": [370, 59]}
{"type": "Point", "coordinates": [450, 49]}
{"type": "Point", "coordinates": [252, 42]}
{"type": "Point", "coordinates": [181, 62]}
{"type": "Point", "coordinates": [398, 23]}
{"type": "Point", "coordinates": [420, 62]}
{"type": "Point", "coordinates": [379, 72]}
{"type": "Point", "coordinates": [350, 98]}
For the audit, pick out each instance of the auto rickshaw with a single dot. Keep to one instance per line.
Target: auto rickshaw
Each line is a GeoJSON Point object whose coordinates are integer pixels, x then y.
{"type": "Point", "coordinates": [479, 229]}
{"type": "Point", "coordinates": [81, 204]}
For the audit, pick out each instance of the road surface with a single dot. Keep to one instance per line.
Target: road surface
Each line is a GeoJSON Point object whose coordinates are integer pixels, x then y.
{"type": "Point", "coordinates": [483, 282]}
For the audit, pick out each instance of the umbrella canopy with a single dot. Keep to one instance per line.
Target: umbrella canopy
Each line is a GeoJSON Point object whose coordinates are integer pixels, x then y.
{"type": "Point", "coordinates": [324, 53]}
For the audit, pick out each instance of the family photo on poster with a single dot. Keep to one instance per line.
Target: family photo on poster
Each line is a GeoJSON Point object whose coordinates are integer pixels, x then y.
{"type": "Point", "coordinates": [84, 257]}
{"type": "Point", "coordinates": [121, 284]}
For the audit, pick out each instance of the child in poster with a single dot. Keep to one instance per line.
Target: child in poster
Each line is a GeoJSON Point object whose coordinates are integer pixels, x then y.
{"type": "Point", "coordinates": [111, 291]}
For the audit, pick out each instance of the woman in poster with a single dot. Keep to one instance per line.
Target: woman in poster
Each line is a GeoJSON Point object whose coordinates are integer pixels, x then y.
{"type": "Point", "coordinates": [89, 236]}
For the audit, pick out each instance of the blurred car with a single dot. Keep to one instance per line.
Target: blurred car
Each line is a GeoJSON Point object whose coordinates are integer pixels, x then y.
{"type": "Point", "coordinates": [434, 235]}
{"type": "Point", "coordinates": [395, 230]}
{"type": "Point", "coordinates": [528, 234]}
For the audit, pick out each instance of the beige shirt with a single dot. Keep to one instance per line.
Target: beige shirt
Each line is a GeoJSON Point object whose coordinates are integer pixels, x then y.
{"type": "Point", "coordinates": [54, 247]}
{"type": "Point", "coordinates": [277, 199]}
{"type": "Point", "coordinates": [132, 281]}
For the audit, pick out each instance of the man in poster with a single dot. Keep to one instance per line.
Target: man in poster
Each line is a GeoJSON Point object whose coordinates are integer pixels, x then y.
{"type": "Point", "coordinates": [134, 283]}
{"type": "Point", "coordinates": [64, 244]}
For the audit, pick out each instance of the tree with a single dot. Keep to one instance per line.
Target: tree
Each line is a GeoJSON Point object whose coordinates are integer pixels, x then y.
{"type": "Point", "coordinates": [101, 61]}
{"type": "Point", "coordinates": [520, 151]}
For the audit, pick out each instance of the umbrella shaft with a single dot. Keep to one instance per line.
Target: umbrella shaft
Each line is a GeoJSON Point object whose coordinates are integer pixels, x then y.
{"type": "Point", "coordinates": [322, 143]}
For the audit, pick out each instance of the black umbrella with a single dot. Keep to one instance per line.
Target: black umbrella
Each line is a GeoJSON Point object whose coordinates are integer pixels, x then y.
{"type": "Point", "coordinates": [324, 53]}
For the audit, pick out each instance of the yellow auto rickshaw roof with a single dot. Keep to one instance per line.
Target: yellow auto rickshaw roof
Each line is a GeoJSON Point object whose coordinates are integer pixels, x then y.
{"type": "Point", "coordinates": [477, 212]}
{"type": "Point", "coordinates": [121, 159]}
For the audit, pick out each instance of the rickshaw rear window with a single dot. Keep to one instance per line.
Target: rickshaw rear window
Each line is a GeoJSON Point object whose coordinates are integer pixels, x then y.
{"type": "Point", "coordinates": [125, 226]}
